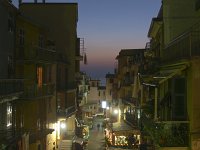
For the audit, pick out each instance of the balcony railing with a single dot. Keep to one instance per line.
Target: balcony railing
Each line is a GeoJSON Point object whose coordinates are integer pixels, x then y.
{"type": "Point", "coordinates": [131, 119]}
{"type": "Point", "coordinates": [131, 100]}
{"type": "Point", "coordinates": [67, 86]}
{"type": "Point", "coordinates": [35, 91]}
{"type": "Point", "coordinates": [34, 53]}
{"type": "Point", "coordinates": [10, 137]}
{"type": "Point", "coordinates": [10, 87]}
{"type": "Point", "coordinates": [183, 47]}
{"type": "Point", "coordinates": [67, 112]}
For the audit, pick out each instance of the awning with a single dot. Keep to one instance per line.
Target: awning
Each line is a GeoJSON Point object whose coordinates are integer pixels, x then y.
{"type": "Point", "coordinates": [165, 73]}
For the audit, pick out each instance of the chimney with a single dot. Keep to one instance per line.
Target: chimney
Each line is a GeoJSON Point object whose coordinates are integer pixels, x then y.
{"type": "Point", "coordinates": [35, 1]}
{"type": "Point", "coordinates": [43, 1]}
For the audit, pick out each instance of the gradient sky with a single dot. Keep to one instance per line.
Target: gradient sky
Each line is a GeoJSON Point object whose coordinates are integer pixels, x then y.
{"type": "Point", "coordinates": [109, 26]}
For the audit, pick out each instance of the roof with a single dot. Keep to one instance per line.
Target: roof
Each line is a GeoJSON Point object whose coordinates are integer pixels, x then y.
{"type": "Point", "coordinates": [109, 75]}
{"type": "Point", "coordinates": [129, 52]}
{"type": "Point", "coordinates": [48, 3]}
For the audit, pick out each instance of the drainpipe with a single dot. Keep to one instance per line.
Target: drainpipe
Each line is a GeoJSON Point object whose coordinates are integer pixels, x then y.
{"type": "Point", "coordinates": [156, 103]}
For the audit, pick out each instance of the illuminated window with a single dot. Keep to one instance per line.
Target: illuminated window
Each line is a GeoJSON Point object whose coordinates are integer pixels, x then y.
{"type": "Point", "coordinates": [39, 76]}
{"type": "Point", "coordinates": [9, 115]}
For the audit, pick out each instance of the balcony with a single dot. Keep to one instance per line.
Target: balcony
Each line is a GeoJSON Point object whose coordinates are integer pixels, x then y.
{"type": "Point", "coordinates": [10, 137]}
{"type": "Point", "coordinates": [38, 134]}
{"type": "Point", "coordinates": [68, 86]}
{"type": "Point", "coordinates": [131, 119]}
{"type": "Point", "coordinates": [35, 91]}
{"type": "Point", "coordinates": [183, 47]}
{"type": "Point", "coordinates": [131, 100]}
{"type": "Point", "coordinates": [67, 112]}
{"type": "Point", "coordinates": [10, 88]}
{"type": "Point", "coordinates": [167, 133]}
{"type": "Point", "coordinates": [34, 53]}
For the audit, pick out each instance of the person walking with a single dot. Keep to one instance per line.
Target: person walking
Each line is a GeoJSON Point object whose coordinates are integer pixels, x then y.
{"type": "Point", "coordinates": [98, 126]}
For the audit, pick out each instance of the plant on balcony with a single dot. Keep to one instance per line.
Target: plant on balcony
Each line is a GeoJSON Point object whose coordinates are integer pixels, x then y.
{"type": "Point", "coordinates": [166, 134]}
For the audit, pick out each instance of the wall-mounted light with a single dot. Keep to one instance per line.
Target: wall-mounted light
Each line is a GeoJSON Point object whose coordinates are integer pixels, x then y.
{"type": "Point", "coordinates": [116, 111]}
{"type": "Point", "coordinates": [63, 125]}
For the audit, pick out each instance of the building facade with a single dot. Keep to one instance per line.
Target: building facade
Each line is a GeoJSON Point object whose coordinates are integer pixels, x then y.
{"type": "Point", "coordinates": [11, 88]}
{"type": "Point", "coordinates": [169, 96]}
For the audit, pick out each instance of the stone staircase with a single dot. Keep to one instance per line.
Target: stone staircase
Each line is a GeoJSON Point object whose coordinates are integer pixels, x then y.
{"type": "Point", "coordinates": [65, 145]}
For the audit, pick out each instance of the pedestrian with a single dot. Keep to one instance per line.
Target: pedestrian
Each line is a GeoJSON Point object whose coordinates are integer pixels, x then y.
{"type": "Point", "coordinates": [98, 126]}
{"type": "Point", "coordinates": [102, 127]}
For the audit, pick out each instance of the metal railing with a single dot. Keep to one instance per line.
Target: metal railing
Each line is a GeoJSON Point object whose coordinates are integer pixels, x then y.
{"type": "Point", "coordinates": [185, 46]}
{"type": "Point", "coordinates": [34, 91]}
{"type": "Point", "coordinates": [67, 112]}
{"type": "Point", "coordinates": [10, 87]}
{"type": "Point", "coordinates": [34, 53]}
{"type": "Point", "coordinates": [167, 133]}
{"type": "Point", "coordinates": [66, 86]}
{"type": "Point", "coordinates": [11, 136]}
{"type": "Point", "coordinates": [131, 119]}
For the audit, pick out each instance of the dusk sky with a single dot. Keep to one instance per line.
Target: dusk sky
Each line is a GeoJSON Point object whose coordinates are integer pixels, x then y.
{"type": "Point", "coordinates": [109, 26]}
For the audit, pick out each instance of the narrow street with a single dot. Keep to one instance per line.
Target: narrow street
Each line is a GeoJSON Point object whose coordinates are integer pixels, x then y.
{"type": "Point", "coordinates": [96, 139]}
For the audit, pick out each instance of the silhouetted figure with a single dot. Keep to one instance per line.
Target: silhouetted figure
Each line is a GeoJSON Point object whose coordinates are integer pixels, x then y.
{"type": "Point", "coordinates": [98, 126]}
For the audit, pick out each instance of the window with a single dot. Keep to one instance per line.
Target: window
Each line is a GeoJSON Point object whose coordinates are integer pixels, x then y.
{"type": "Point", "coordinates": [179, 99]}
{"type": "Point", "coordinates": [110, 92]}
{"type": "Point", "coordinates": [10, 23]}
{"type": "Point", "coordinates": [111, 80]}
{"type": "Point", "coordinates": [9, 115]}
{"type": "Point", "coordinates": [93, 84]}
{"type": "Point", "coordinates": [10, 66]}
{"type": "Point", "coordinates": [50, 107]}
{"type": "Point", "coordinates": [99, 93]}
{"type": "Point", "coordinates": [21, 36]}
{"type": "Point", "coordinates": [39, 76]}
{"type": "Point", "coordinates": [41, 41]}
{"type": "Point", "coordinates": [49, 74]}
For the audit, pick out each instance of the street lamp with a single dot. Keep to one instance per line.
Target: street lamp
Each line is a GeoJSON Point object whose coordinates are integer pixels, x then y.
{"type": "Point", "coordinates": [116, 111]}
{"type": "Point", "coordinates": [63, 125]}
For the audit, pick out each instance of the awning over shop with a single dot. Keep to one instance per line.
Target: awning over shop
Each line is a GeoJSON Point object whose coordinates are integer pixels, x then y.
{"type": "Point", "coordinates": [165, 73]}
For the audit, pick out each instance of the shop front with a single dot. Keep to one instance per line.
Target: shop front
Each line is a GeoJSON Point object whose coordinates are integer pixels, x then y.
{"type": "Point", "coordinates": [122, 135]}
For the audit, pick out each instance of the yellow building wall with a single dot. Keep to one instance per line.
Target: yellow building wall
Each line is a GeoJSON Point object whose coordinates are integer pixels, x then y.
{"type": "Point", "coordinates": [176, 21]}
{"type": "Point", "coordinates": [31, 109]}
{"type": "Point", "coordinates": [193, 97]}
